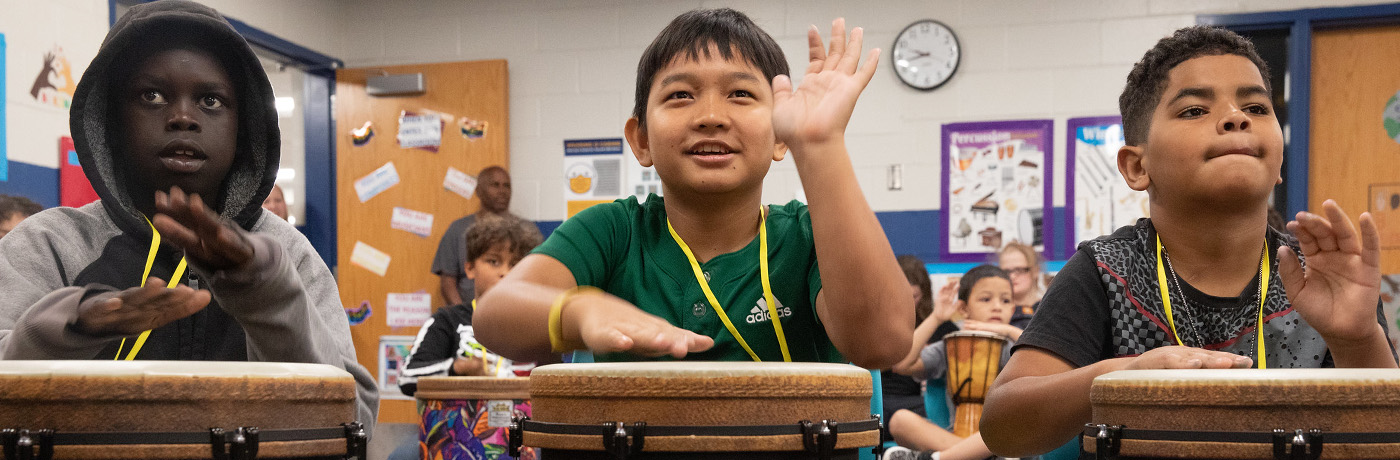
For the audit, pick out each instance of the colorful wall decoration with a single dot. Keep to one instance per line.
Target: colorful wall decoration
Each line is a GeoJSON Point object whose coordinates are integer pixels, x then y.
{"type": "Point", "coordinates": [997, 187]}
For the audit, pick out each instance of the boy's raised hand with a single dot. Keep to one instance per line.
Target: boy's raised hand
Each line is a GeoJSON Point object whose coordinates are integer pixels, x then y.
{"type": "Point", "coordinates": [208, 240]}
{"type": "Point", "coordinates": [818, 111]}
{"type": "Point", "coordinates": [134, 310]}
{"type": "Point", "coordinates": [1338, 290]}
{"type": "Point", "coordinates": [607, 324]}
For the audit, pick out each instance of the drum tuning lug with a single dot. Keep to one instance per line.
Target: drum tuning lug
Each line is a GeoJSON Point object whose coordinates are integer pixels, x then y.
{"type": "Point", "coordinates": [622, 445]}
{"type": "Point", "coordinates": [879, 447]}
{"type": "Point", "coordinates": [1107, 441]}
{"type": "Point", "coordinates": [356, 441]}
{"type": "Point", "coordinates": [819, 438]}
{"type": "Point", "coordinates": [516, 439]}
{"type": "Point", "coordinates": [1298, 445]}
{"type": "Point", "coordinates": [245, 444]}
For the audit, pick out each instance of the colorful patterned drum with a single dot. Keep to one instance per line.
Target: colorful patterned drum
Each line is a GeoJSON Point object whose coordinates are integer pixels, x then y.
{"type": "Point", "coordinates": [177, 410]}
{"type": "Point", "coordinates": [700, 410]}
{"type": "Point", "coordinates": [1246, 414]}
{"type": "Point", "coordinates": [469, 418]}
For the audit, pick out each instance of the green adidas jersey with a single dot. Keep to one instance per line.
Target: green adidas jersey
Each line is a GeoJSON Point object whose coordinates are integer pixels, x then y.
{"type": "Point", "coordinates": [624, 248]}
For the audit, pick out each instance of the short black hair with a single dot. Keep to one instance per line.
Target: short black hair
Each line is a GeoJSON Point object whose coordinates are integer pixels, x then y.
{"type": "Point", "coordinates": [976, 274]}
{"type": "Point", "coordinates": [691, 35]}
{"type": "Point", "coordinates": [491, 229]}
{"type": "Point", "coordinates": [15, 204]}
{"type": "Point", "coordinates": [1148, 79]}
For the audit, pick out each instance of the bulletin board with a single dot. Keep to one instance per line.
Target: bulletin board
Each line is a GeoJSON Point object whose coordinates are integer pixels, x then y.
{"type": "Point", "coordinates": [401, 166]}
{"type": "Point", "coordinates": [997, 188]}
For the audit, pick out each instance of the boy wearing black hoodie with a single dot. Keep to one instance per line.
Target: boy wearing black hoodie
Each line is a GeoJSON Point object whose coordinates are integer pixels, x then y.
{"type": "Point", "coordinates": [174, 124]}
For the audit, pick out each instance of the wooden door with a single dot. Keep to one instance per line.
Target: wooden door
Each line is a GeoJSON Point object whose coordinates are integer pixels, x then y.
{"type": "Point", "coordinates": [476, 91]}
{"type": "Point", "coordinates": [1352, 158]}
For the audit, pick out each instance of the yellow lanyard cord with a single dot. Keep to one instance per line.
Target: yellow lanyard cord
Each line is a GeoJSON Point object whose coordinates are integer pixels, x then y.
{"type": "Point", "coordinates": [763, 276]}
{"type": "Point", "coordinates": [1263, 290]}
{"type": "Point", "coordinates": [174, 281]}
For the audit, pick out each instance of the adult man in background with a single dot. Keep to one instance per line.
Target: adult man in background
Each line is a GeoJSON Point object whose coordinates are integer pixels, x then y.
{"type": "Point", "coordinates": [493, 189]}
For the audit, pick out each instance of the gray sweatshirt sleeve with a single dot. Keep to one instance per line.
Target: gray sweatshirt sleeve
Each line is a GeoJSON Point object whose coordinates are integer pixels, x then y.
{"type": "Point", "coordinates": [289, 307]}
{"type": "Point", "coordinates": [935, 358]}
{"type": "Point", "coordinates": [37, 303]}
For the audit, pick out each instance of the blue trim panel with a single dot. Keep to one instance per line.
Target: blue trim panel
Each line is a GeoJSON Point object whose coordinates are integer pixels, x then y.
{"type": "Point", "coordinates": [912, 232]}
{"type": "Point", "coordinates": [1347, 15]}
{"type": "Point", "coordinates": [547, 226]}
{"type": "Point", "coordinates": [320, 225]}
{"type": "Point", "coordinates": [304, 58]}
{"type": "Point", "coordinates": [1299, 118]}
{"type": "Point", "coordinates": [35, 182]}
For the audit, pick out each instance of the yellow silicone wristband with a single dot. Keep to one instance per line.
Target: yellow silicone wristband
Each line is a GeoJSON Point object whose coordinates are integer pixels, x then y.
{"type": "Point", "coordinates": [556, 313]}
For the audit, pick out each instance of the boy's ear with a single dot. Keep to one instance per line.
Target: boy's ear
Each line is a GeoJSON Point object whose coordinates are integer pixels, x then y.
{"type": "Point", "coordinates": [637, 140]}
{"type": "Point", "coordinates": [962, 308]}
{"type": "Point", "coordinates": [471, 270]}
{"type": "Point", "coordinates": [1131, 165]}
{"type": "Point", "coordinates": [779, 151]}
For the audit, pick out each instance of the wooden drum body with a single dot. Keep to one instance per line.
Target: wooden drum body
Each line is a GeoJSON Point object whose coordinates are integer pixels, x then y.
{"type": "Point", "coordinates": [1246, 414]}
{"type": "Point", "coordinates": [700, 410]}
{"type": "Point", "coordinates": [177, 410]}
{"type": "Point", "coordinates": [974, 360]}
{"type": "Point", "coordinates": [470, 417]}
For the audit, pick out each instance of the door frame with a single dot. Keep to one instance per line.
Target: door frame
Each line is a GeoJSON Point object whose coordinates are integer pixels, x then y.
{"type": "Point", "coordinates": [1300, 25]}
{"type": "Point", "coordinates": [318, 124]}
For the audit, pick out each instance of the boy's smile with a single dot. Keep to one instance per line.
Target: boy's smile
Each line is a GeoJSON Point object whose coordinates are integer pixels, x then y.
{"type": "Point", "coordinates": [1214, 135]}
{"type": "Point", "coordinates": [179, 122]}
{"type": "Point", "coordinates": [709, 125]}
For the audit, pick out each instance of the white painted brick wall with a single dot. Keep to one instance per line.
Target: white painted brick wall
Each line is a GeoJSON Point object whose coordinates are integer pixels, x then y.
{"type": "Point", "coordinates": [572, 67]}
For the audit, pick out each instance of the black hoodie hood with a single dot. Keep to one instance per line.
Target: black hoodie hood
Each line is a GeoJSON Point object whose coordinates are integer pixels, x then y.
{"type": "Point", "coordinates": [254, 168]}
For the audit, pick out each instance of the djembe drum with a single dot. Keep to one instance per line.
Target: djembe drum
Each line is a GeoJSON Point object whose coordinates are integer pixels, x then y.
{"type": "Point", "coordinates": [469, 417]}
{"type": "Point", "coordinates": [1246, 414]}
{"type": "Point", "coordinates": [177, 410]}
{"type": "Point", "coordinates": [974, 359]}
{"type": "Point", "coordinates": [700, 410]}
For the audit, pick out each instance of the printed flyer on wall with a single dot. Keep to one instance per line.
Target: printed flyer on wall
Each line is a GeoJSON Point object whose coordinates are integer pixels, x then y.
{"type": "Point", "coordinates": [1101, 201]}
{"type": "Point", "coordinates": [997, 187]}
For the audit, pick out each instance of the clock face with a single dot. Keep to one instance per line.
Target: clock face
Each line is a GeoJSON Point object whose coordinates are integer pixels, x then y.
{"type": "Point", "coordinates": [926, 54]}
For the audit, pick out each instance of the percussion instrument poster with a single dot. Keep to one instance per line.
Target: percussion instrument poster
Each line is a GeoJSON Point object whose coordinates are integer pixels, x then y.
{"type": "Point", "coordinates": [998, 185]}
{"type": "Point", "coordinates": [1097, 197]}
{"type": "Point", "coordinates": [393, 351]}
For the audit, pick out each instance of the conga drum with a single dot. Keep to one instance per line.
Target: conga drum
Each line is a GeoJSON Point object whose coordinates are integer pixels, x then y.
{"type": "Point", "coordinates": [700, 410]}
{"type": "Point", "coordinates": [177, 410]}
{"type": "Point", "coordinates": [469, 417]}
{"type": "Point", "coordinates": [1246, 414]}
{"type": "Point", "coordinates": [974, 359]}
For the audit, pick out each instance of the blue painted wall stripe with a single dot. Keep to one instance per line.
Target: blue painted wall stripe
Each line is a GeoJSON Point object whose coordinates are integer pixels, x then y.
{"type": "Point", "coordinates": [37, 183]}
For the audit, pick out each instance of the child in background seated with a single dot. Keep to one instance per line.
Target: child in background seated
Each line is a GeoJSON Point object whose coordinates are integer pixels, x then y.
{"type": "Point", "coordinates": [898, 391]}
{"type": "Point", "coordinates": [984, 297]}
{"type": "Point", "coordinates": [446, 345]}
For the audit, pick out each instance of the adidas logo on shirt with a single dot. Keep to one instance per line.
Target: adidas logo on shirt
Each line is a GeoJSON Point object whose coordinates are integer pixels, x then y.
{"type": "Point", "coordinates": [759, 313]}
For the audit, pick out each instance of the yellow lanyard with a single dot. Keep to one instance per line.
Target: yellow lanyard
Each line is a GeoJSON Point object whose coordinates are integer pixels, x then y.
{"type": "Point", "coordinates": [1263, 290]}
{"type": "Point", "coordinates": [767, 289]}
{"type": "Point", "coordinates": [174, 281]}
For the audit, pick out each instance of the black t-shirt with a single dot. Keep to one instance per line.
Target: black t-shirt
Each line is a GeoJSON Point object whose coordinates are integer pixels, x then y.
{"type": "Point", "coordinates": [1105, 303]}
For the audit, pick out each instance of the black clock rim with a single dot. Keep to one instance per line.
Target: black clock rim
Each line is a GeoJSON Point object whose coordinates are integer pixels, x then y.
{"type": "Point", "coordinates": [956, 64]}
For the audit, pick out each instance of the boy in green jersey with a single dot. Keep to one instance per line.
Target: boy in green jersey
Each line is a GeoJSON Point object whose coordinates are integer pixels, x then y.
{"type": "Point", "coordinates": [710, 273]}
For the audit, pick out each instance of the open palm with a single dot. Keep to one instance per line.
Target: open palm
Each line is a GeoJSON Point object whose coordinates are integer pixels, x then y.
{"type": "Point", "coordinates": [819, 109]}
{"type": "Point", "coordinates": [1337, 292]}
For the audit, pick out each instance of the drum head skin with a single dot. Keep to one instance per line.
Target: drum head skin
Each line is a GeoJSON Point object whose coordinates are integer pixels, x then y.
{"type": "Point", "coordinates": [700, 394]}
{"type": "Point", "coordinates": [1213, 401]}
{"type": "Point", "coordinates": [473, 388]}
{"type": "Point", "coordinates": [172, 396]}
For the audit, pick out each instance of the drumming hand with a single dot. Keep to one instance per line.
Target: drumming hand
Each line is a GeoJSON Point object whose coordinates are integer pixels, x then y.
{"type": "Point", "coordinates": [1012, 332]}
{"type": "Point", "coordinates": [471, 367]}
{"type": "Point", "coordinates": [139, 309]}
{"type": "Point", "coordinates": [1177, 357]}
{"type": "Point", "coordinates": [1337, 291]}
{"type": "Point", "coordinates": [607, 324]}
{"type": "Point", "coordinates": [817, 112]}
{"type": "Point", "coordinates": [209, 241]}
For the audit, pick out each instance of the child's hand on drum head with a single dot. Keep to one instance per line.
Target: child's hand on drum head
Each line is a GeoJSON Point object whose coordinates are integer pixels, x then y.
{"type": "Point", "coordinates": [607, 324]}
{"type": "Point", "coordinates": [471, 367]}
{"type": "Point", "coordinates": [1178, 357]}
{"type": "Point", "coordinates": [996, 328]}
{"type": "Point", "coordinates": [139, 309]}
